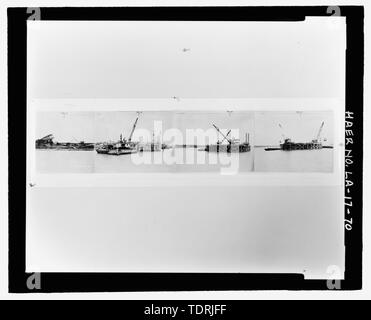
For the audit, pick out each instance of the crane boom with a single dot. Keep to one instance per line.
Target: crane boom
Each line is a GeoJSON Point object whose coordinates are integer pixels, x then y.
{"type": "Point", "coordinates": [217, 129]}
{"type": "Point", "coordinates": [49, 136]}
{"type": "Point", "coordinates": [134, 126]}
{"type": "Point", "coordinates": [226, 136]}
{"type": "Point", "coordinates": [320, 130]}
{"type": "Point", "coordinates": [283, 135]}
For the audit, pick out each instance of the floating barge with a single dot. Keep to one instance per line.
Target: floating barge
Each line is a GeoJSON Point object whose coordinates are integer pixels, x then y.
{"type": "Point", "coordinates": [229, 148]}
{"type": "Point", "coordinates": [47, 143]}
{"type": "Point", "coordinates": [289, 145]}
{"type": "Point", "coordinates": [233, 145]}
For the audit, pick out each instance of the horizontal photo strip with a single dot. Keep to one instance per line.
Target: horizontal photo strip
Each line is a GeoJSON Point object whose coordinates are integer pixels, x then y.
{"type": "Point", "coordinates": [227, 142]}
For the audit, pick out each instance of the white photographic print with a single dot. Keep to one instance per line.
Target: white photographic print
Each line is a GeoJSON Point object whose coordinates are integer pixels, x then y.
{"type": "Point", "coordinates": [186, 146]}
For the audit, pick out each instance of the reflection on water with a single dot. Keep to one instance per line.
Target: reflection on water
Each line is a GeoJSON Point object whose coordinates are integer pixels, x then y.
{"type": "Point", "coordinates": [320, 160]}
{"type": "Point", "coordinates": [168, 160]}
{"type": "Point", "coordinates": [185, 160]}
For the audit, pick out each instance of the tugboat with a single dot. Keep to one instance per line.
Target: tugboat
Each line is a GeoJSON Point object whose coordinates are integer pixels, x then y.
{"type": "Point", "coordinates": [123, 146]}
{"type": "Point", "coordinates": [104, 148]}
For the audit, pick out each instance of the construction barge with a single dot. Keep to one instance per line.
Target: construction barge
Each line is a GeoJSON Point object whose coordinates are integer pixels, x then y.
{"type": "Point", "coordinates": [288, 145]}
{"type": "Point", "coordinates": [127, 146]}
{"type": "Point", "coordinates": [48, 143]}
{"type": "Point", "coordinates": [233, 145]}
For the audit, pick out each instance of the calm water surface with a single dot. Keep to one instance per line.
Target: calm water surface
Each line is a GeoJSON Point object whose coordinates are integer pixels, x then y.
{"type": "Point", "coordinates": [185, 160]}
{"type": "Point", "coordinates": [169, 160]}
{"type": "Point", "coordinates": [320, 160]}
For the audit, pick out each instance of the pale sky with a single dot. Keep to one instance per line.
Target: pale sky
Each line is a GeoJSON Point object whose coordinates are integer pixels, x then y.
{"type": "Point", "coordinates": [299, 126]}
{"type": "Point", "coordinates": [240, 122]}
{"type": "Point", "coordinates": [131, 59]}
{"type": "Point", "coordinates": [107, 126]}
{"type": "Point", "coordinates": [66, 126]}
